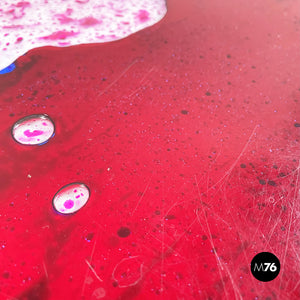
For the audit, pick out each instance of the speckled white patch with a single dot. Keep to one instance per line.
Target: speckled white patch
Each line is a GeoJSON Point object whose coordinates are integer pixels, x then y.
{"type": "Point", "coordinates": [35, 23]}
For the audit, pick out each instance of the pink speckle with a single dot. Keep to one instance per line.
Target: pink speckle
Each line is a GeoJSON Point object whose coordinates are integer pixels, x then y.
{"type": "Point", "coordinates": [143, 15]}
{"type": "Point", "coordinates": [75, 191]}
{"type": "Point", "coordinates": [13, 27]}
{"type": "Point", "coordinates": [19, 39]}
{"type": "Point", "coordinates": [82, 1]}
{"type": "Point", "coordinates": [44, 123]}
{"type": "Point", "coordinates": [69, 11]}
{"type": "Point", "coordinates": [69, 204]}
{"type": "Point", "coordinates": [63, 19]}
{"type": "Point", "coordinates": [88, 21]}
{"type": "Point", "coordinates": [77, 196]}
{"type": "Point", "coordinates": [29, 133]}
{"type": "Point", "coordinates": [18, 10]}
{"type": "Point", "coordinates": [59, 35]}
{"type": "Point", "coordinates": [23, 4]}
{"type": "Point", "coordinates": [63, 44]}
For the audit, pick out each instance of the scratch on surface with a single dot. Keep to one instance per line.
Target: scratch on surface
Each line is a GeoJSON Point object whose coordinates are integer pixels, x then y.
{"type": "Point", "coordinates": [87, 272]}
{"type": "Point", "coordinates": [290, 220]}
{"type": "Point", "coordinates": [243, 250]}
{"type": "Point", "coordinates": [145, 190]}
{"type": "Point", "coordinates": [162, 259]}
{"type": "Point", "coordinates": [258, 226]}
{"type": "Point", "coordinates": [168, 246]}
{"type": "Point", "coordinates": [147, 74]}
{"type": "Point", "coordinates": [45, 269]}
{"type": "Point", "coordinates": [219, 263]}
{"type": "Point", "coordinates": [93, 270]}
{"type": "Point", "coordinates": [228, 172]}
{"type": "Point", "coordinates": [129, 284]}
{"type": "Point", "coordinates": [170, 249]}
{"type": "Point", "coordinates": [276, 223]}
{"type": "Point", "coordinates": [216, 216]}
{"type": "Point", "coordinates": [296, 287]}
{"type": "Point", "coordinates": [143, 81]}
{"type": "Point", "coordinates": [119, 77]}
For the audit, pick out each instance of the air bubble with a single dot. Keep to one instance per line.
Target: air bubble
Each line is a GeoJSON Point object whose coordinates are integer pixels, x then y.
{"type": "Point", "coordinates": [70, 198]}
{"type": "Point", "coordinates": [33, 130]}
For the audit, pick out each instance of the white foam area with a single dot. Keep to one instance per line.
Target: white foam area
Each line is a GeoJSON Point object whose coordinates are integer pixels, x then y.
{"type": "Point", "coordinates": [35, 23]}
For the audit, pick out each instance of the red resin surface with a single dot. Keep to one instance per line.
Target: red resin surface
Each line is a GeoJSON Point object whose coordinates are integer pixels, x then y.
{"type": "Point", "coordinates": [187, 135]}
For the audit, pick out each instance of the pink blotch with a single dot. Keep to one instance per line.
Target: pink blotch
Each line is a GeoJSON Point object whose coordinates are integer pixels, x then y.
{"type": "Point", "coordinates": [88, 21]}
{"type": "Point", "coordinates": [64, 19]}
{"type": "Point", "coordinates": [18, 9]}
{"type": "Point", "coordinates": [59, 35]}
{"type": "Point", "coordinates": [69, 11]}
{"type": "Point", "coordinates": [12, 27]}
{"type": "Point", "coordinates": [63, 43]}
{"type": "Point", "coordinates": [23, 4]}
{"type": "Point", "coordinates": [143, 15]}
{"type": "Point", "coordinates": [68, 204]}
{"type": "Point", "coordinates": [28, 133]}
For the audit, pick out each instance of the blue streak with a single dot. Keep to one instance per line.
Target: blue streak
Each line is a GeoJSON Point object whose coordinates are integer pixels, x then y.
{"type": "Point", "coordinates": [8, 69]}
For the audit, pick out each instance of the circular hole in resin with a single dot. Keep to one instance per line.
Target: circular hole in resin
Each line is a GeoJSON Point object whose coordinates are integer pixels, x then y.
{"type": "Point", "coordinates": [70, 198]}
{"type": "Point", "coordinates": [33, 130]}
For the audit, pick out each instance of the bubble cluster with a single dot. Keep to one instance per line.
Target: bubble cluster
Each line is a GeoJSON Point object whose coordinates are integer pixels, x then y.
{"type": "Point", "coordinates": [33, 130]}
{"type": "Point", "coordinates": [70, 198]}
